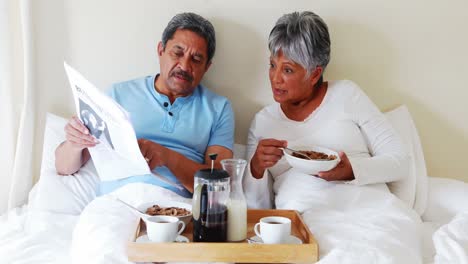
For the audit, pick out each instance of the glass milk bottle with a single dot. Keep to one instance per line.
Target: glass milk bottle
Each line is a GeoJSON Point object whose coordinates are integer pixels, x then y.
{"type": "Point", "coordinates": [237, 205]}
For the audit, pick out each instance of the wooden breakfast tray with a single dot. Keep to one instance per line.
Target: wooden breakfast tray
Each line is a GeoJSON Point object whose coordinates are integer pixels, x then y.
{"type": "Point", "coordinates": [240, 252]}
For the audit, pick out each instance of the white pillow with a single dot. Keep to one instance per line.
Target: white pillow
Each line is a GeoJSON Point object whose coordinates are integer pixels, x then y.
{"type": "Point", "coordinates": [413, 189]}
{"type": "Point", "coordinates": [56, 193]}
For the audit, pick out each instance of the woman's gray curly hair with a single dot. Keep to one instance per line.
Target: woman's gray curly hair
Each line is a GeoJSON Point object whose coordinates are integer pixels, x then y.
{"type": "Point", "coordinates": [303, 38]}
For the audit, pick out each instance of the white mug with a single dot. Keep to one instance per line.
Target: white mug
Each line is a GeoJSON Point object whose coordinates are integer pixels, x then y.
{"type": "Point", "coordinates": [273, 229]}
{"type": "Point", "coordinates": [163, 228]}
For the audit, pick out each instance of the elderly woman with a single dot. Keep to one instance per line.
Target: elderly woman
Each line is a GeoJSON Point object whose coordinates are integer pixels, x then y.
{"type": "Point", "coordinates": [310, 111]}
{"type": "Point", "coordinates": [333, 114]}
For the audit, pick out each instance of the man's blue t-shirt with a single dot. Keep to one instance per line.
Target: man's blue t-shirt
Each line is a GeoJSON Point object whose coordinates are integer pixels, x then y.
{"type": "Point", "coordinates": [188, 126]}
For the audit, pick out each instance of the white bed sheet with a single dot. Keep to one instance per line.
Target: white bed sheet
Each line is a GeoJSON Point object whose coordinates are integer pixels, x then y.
{"type": "Point", "coordinates": [35, 237]}
{"type": "Point", "coordinates": [40, 237]}
{"type": "Point", "coordinates": [451, 241]}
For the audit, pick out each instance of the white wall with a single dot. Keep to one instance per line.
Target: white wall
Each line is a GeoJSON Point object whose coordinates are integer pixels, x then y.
{"type": "Point", "coordinates": [399, 52]}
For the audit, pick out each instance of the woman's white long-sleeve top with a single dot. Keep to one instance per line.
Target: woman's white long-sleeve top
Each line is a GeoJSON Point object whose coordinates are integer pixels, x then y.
{"type": "Point", "coordinates": [346, 120]}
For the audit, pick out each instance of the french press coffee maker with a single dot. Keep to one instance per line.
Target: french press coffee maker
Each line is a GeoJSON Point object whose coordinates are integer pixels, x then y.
{"type": "Point", "coordinates": [209, 208]}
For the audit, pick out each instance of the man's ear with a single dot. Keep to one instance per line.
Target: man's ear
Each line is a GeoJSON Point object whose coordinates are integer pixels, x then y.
{"type": "Point", "coordinates": [208, 64]}
{"type": "Point", "coordinates": [160, 49]}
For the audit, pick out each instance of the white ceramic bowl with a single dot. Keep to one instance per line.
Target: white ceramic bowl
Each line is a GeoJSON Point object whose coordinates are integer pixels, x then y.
{"type": "Point", "coordinates": [167, 203]}
{"type": "Point", "coordinates": [312, 167]}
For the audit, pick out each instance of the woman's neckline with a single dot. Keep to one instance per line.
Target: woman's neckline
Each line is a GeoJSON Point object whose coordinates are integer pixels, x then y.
{"type": "Point", "coordinates": [314, 112]}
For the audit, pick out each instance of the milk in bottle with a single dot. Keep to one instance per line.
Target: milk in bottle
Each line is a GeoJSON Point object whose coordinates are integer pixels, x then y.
{"type": "Point", "coordinates": [236, 205]}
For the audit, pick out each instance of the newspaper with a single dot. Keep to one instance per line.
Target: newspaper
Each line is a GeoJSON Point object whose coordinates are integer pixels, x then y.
{"type": "Point", "coordinates": [118, 155]}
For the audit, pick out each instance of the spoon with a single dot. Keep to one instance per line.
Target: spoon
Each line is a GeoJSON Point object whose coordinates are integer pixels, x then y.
{"type": "Point", "coordinates": [298, 152]}
{"type": "Point", "coordinates": [142, 215]}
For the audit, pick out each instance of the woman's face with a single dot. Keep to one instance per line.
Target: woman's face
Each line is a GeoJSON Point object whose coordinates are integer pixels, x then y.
{"type": "Point", "coordinates": [288, 80]}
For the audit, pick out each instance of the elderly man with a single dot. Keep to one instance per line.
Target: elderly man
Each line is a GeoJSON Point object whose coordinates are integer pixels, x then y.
{"type": "Point", "coordinates": [178, 121]}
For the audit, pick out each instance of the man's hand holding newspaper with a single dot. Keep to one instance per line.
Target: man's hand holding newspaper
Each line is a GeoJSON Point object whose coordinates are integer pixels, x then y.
{"type": "Point", "coordinates": [118, 155]}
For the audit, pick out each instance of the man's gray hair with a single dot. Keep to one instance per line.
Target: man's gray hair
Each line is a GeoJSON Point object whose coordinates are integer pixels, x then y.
{"type": "Point", "coordinates": [303, 38]}
{"type": "Point", "coordinates": [194, 23]}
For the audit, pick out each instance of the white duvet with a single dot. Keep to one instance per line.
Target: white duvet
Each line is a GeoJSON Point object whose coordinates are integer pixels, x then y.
{"type": "Point", "coordinates": [451, 241]}
{"type": "Point", "coordinates": [35, 237]}
{"type": "Point", "coordinates": [352, 224]}
{"type": "Point", "coordinates": [380, 230]}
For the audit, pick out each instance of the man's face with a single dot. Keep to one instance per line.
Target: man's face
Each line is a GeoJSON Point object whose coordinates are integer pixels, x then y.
{"type": "Point", "coordinates": [183, 63]}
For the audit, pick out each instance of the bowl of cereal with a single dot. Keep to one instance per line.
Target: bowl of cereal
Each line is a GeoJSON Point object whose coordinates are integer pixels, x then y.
{"type": "Point", "coordinates": [181, 210]}
{"type": "Point", "coordinates": [311, 160]}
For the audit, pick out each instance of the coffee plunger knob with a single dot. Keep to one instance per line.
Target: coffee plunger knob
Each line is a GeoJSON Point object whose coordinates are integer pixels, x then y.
{"type": "Point", "coordinates": [213, 156]}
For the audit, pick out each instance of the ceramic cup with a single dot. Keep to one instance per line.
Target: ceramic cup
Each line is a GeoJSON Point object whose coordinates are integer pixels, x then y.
{"type": "Point", "coordinates": [162, 228]}
{"type": "Point", "coordinates": [273, 229]}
